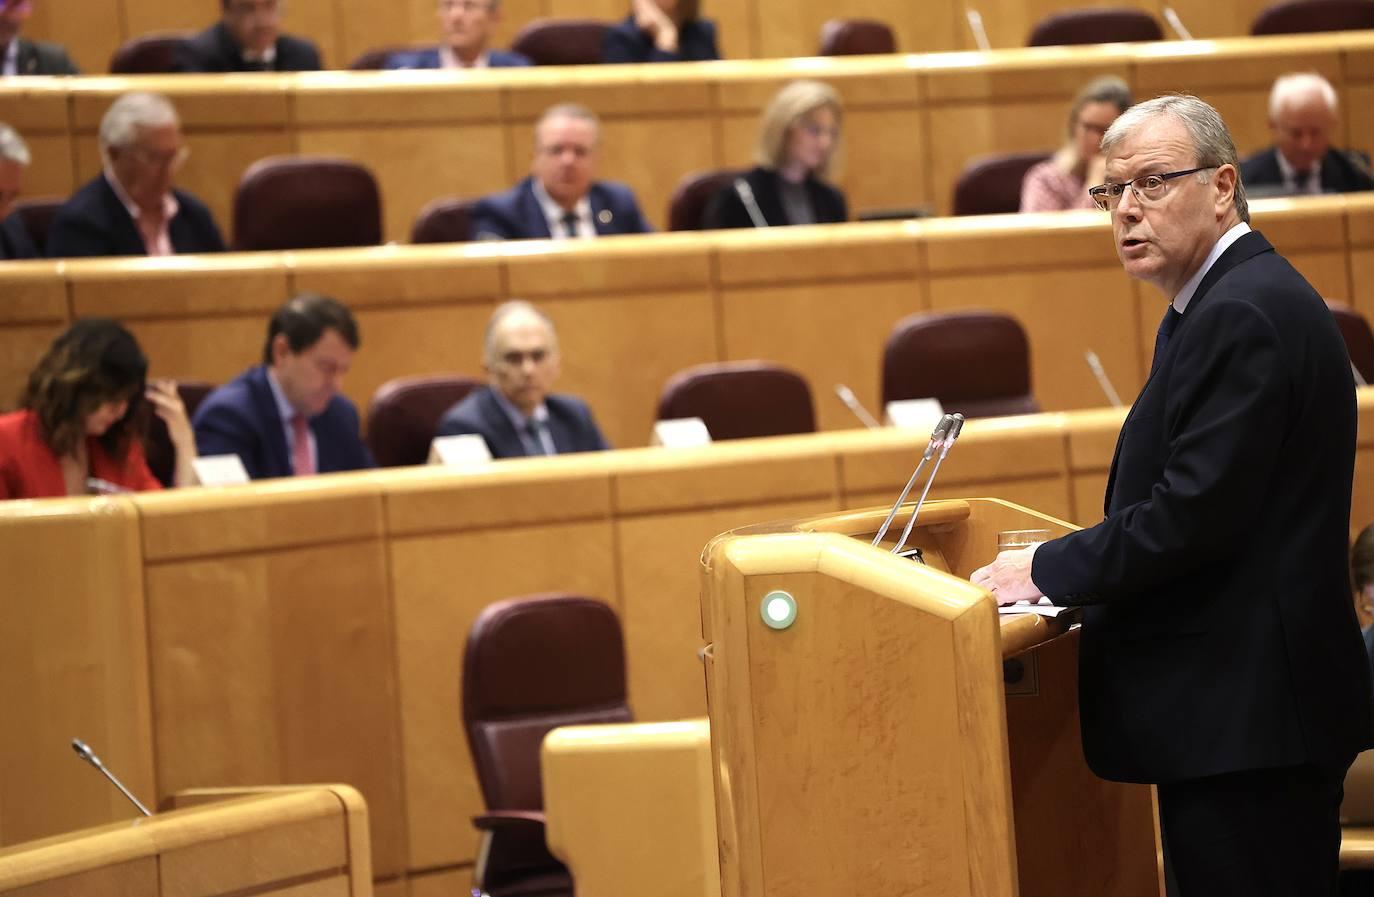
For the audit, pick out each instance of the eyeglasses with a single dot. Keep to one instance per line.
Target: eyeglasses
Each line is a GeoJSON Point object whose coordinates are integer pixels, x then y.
{"type": "Point", "coordinates": [1148, 188]}
{"type": "Point", "coordinates": [516, 358]}
{"type": "Point", "coordinates": [464, 5]}
{"type": "Point", "coordinates": [174, 159]}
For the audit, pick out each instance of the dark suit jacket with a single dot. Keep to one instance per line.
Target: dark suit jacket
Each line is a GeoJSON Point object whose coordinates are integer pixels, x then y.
{"type": "Point", "coordinates": [1219, 633]}
{"type": "Point", "coordinates": [94, 223]}
{"type": "Point", "coordinates": [429, 59]}
{"type": "Point", "coordinates": [570, 424]}
{"type": "Point", "coordinates": [214, 50]}
{"type": "Point", "coordinates": [240, 418]}
{"type": "Point", "coordinates": [515, 214]}
{"type": "Point", "coordinates": [625, 42]}
{"type": "Point", "coordinates": [15, 240]}
{"type": "Point", "coordinates": [39, 58]}
{"type": "Point", "coordinates": [726, 209]}
{"type": "Point", "coordinates": [1340, 172]}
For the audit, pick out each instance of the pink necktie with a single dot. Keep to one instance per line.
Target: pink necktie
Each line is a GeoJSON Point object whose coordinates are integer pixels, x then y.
{"type": "Point", "coordinates": [302, 461]}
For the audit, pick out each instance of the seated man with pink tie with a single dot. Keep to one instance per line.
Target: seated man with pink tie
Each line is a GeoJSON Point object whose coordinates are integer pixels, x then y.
{"type": "Point", "coordinates": [131, 208]}
{"type": "Point", "coordinates": [285, 417]}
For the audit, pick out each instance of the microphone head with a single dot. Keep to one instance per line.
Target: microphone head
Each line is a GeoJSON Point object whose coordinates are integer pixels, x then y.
{"type": "Point", "coordinates": [956, 425]}
{"type": "Point", "coordinates": [84, 752]}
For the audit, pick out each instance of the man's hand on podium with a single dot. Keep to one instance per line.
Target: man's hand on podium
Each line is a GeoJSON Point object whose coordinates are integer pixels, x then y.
{"type": "Point", "coordinates": [1008, 578]}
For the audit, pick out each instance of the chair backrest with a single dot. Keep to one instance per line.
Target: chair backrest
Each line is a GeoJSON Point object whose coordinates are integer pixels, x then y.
{"type": "Point", "coordinates": [1305, 16]}
{"type": "Point", "coordinates": [37, 215]}
{"type": "Point", "coordinates": [375, 59]}
{"type": "Point", "coordinates": [990, 185]}
{"type": "Point", "coordinates": [740, 399]}
{"type": "Point", "coordinates": [975, 362]}
{"type": "Point", "coordinates": [1359, 339]}
{"type": "Point", "coordinates": [533, 664]}
{"type": "Point", "coordinates": [447, 219]}
{"type": "Point", "coordinates": [149, 54]}
{"type": "Point", "coordinates": [561, 41]}
{"type": "Point", "coordinates": [1095, 26]}
{"type": "Point", "coordinates": [856, 37]}
{"type": "Point", "coordinates": [306, 202]}
{"type": "Point", "coordinates": [405, 412]}
{"type": "Point", "coordinates": [693, 192]}
{"type": "Point", "coordinates": [157, 444]}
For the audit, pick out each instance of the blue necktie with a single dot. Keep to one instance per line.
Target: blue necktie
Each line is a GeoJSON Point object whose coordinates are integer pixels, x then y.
{"type": "Point", "coordinates": [1166, 329]}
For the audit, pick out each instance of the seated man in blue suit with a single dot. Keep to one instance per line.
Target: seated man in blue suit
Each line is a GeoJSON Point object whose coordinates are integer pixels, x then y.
{"type": "Point", "coordinates": [131, 207]}
{"type": "Point", "coordinates": [467, 26]}
{"type": "Point", "coordinates": [561, 198]}
{"type": "Point", "coordinates": [285, 417]}
{"type": "Point", "coordinates": [515, 414]}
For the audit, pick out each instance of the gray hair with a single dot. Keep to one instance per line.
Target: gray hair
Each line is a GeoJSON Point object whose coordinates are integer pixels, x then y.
{"type": "Point", "coordinates": [505, 310]}
{"type": "Point", "coordinates": [1294, 85]}
{"type": "Point", "coordinates": [12, 146]}
{"type": "Point", "coordinates": [132, 111]}
{"type": "Point", "coordinates": [1212, 142]}
{"type": "Point", "coordinates": [567, 110]}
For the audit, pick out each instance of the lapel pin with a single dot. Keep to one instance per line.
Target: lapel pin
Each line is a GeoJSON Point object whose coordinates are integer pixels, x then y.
{"type": "Point", "coordinates": [604, 216]}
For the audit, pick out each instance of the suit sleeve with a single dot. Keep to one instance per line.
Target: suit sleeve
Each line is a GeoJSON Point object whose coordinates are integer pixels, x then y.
{"type": "Point", "coordinates": [618, 46]}
{"type": "Point", "coordinates": [488, 223]}
{"type": "Point", "coordinates": [77, 236]}
{"type": "Point", "coordinates": [1227, 385]}
{"type": "Point", "coordinates": [359, 456]}
{"type": "Point", "coordinates": [62, 63]}
{"type": "Point", "coordinates": [222, 429]}
{"type": "Point", "coordinates": [641, 224]}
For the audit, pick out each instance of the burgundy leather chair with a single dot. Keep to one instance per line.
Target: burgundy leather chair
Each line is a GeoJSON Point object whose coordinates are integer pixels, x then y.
{"type": "Point", "coordinates": [561, 41]}
{"type": "Point", "coordinates": [533, 664]}
{"type": "Point", "coordinates": [306, 202]}
{"type": "Point", "coordinates": [374, 60]}
{"type": "Point", "coordinates": [693, 193]}
{"type": "Point", "coordinates": [37, 215]}
{"type": "Point", "coordinates": [445, 220]}
{"type": "Point", "coordinates": [740, 399]}
{"type": "Point", "coordinates": [990, 185]}
{"type": "Point", "coordinates": [405, 412]}
{"type": "Point", "coordinates": [1305, 16]}
{"type": "Point", "coordinates": [974, 362]}
{"type": "Point", "coordinates": [856, 37]}
{"type": "Point", "coordinates": [1095, 26]}
{"type": "Point", "coordinates": [1359, 339]}
{"type": "Point", "coordinates": [157, 444]}
{"type": "Point", "coordinates": [149, 54]}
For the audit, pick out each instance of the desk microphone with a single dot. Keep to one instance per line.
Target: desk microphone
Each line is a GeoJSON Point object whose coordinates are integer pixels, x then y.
{"type": "Point", "coordinates": [937, 437]}
{"type": "Point", "coordinates": [85, 753]}
{"type": "Point", "coordinates": [1095, 364]}
{"type": "Point", "coordinates": [1176, 23]}
{"type": "Point", "coordinates": [975, 24]}
{"type": "Point", "coordinates": [852, 403]}
{"type": "Point", "coordinates": [746, 196]}
{"type": "Point", "coordinates": [956, 425]}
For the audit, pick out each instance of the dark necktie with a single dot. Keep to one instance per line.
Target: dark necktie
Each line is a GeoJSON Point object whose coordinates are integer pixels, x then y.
{"type": "Point", "coordinates": [1166, 329]}
{"type": "Point", "coordinates": [570, 223]}
{"type": "Point", "coordinates": [535, 430]}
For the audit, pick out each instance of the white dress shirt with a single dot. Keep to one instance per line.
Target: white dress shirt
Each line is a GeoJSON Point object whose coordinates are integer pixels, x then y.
{"type": "Point", "coordinates": [554, 213]}
{"type": "Point", "coordinates": [1185, 295]}
{"type": "Point", "coordinates": [1312, 184]}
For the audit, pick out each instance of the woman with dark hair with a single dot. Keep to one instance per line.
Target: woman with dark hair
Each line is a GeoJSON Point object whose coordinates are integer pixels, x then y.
{"type": "Point", "coordinates": [74, 433]}
{"type": "Point", "coordinates": [661, 31]}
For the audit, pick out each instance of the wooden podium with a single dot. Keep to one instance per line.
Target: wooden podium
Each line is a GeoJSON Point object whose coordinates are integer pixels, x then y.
{"type": "Point", "coordinates": [897, 737]}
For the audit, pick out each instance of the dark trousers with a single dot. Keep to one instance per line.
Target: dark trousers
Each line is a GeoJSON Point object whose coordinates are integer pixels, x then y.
{"type": "Point", "coordinates": [1258, 833]}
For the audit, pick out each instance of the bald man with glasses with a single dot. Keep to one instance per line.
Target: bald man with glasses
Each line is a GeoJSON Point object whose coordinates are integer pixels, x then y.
{"type": "Point", "coordinates": [1220, 658]}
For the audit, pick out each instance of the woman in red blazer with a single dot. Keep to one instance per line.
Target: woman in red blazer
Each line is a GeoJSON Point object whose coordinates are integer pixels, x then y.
{"type": "Point", "coordinates": [74, 432]}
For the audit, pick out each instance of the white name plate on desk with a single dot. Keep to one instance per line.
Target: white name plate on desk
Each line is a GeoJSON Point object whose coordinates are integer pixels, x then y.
{"type": "Point", "coordinates": [220, 470]}
{"type": "Point", "coordinates": [915, 414]}
{"type": "Point", "coordinates": [682, 432]}
{"type": "Point", "coordinates": [464, 450]}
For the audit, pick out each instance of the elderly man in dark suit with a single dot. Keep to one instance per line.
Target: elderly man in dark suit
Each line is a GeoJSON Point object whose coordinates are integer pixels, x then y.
{"type": "Point", "coordinates": [286, 417]}
{"type": "Point", "coordinates": [1302, 117]}
{"type": "Point", "coordinates": [248, 38]}
{"type": "Point", "coordinates": [15, 241]}
{"type": "Point", "coordinates": [20, 56]}
{"type": "Point", "coordinates": [516, 415]}
{"type": "Point", "coordinates": [131, 208]}
{"type": "Point", "coordinates": [1220, 655]}
{"type": "Point", "coordinates": [561, 198]}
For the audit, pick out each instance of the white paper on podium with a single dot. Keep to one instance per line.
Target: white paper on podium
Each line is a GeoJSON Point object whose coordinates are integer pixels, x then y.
{"type": "Point", "coordinates": [220, 470]}
{"type": "Point", "coordinates": [914, 414]}
{"type": "Point", "coordinates": [682, 432]}
{"type": "Point", "coordinates": [463, 450]}
{"type": "Point", "coordinates": [1041, 608]}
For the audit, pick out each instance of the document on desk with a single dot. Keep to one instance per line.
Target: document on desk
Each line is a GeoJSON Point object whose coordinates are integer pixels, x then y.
{"type": "Point", "coordinates": [1041, 608]}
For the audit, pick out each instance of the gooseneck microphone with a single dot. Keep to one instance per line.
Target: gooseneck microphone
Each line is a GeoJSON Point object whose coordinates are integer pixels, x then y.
{"type": "Point", "coordinates": [746, 196]}
{"type": "Point", "coordinates": [937, 436]}
{"type": "Point", "coordinates": [1100, 375]}
{"type": "Point", "coordinates": [852, 402]}
{"type": "Point", "coordinates": [956, 424]}
{"type": "Point", "coordinates": [85, 753]}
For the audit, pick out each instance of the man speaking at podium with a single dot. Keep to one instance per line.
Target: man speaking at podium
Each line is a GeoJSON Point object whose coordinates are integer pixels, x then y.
{"type": "Point", "coordinates": [1220, 655]}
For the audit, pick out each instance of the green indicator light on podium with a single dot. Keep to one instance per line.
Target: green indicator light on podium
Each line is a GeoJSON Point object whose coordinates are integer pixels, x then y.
{"type": "Point", "coordinates": [778, 609]}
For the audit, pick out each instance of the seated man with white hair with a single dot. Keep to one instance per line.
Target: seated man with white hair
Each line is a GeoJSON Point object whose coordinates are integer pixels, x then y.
{"type": "Point", "coordinates": [15, 242]}
{"type": "Point", "coordinates": [131, 208]}
{"type": "Point", "coordinates": [1302, 117]}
